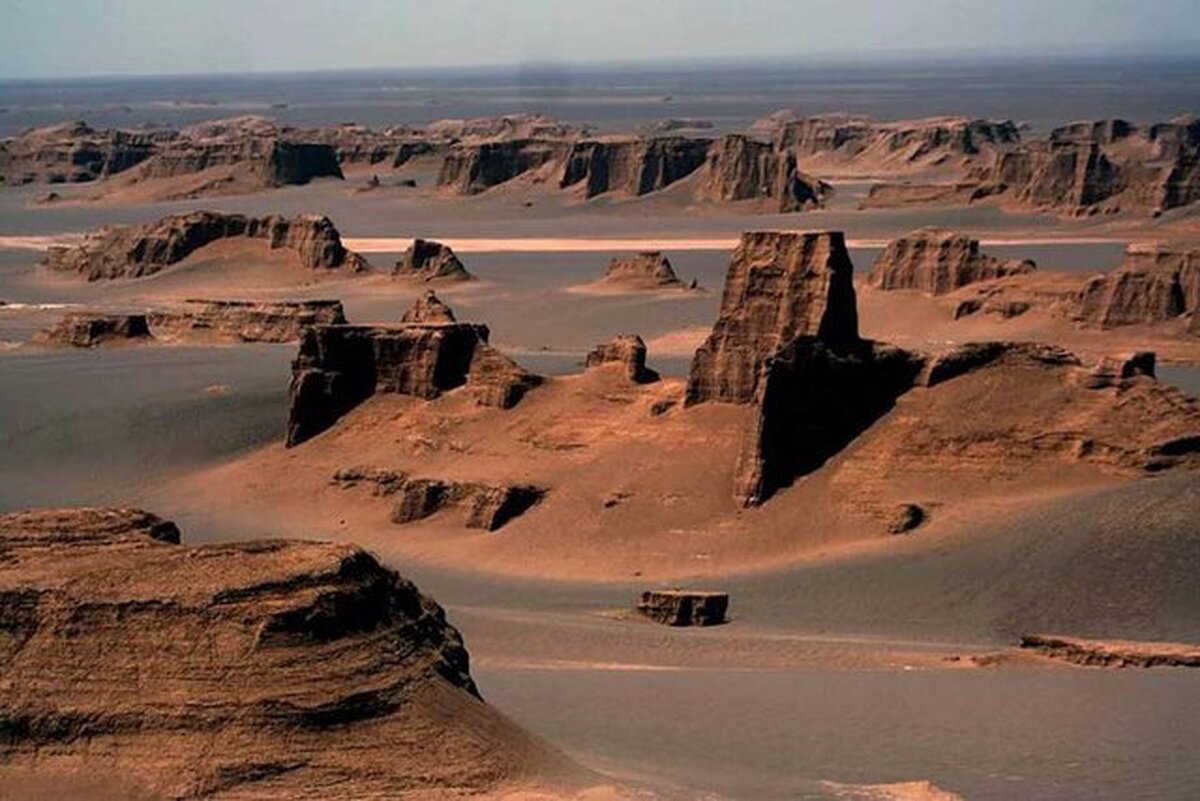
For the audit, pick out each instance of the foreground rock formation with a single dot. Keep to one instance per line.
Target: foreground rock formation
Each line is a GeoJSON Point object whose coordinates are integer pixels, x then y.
{"type": "Point", "coordinates": [251, 669]}
{"type": "Point", "coordinates": [937, 261]}
{"type": "Point", "coordinates": [340, 366]}
{"type": "Point", "coordinates": [245, 321]}
{"type": "Point", "coordinates": [1113, 653]}
{"type": "Point", "coordinates": [1155, 283]}
{"type": "Point", "coordinates": [684, 607]}
{"type": "Point", "coordinates": [646, 271]}
{"type": "Point", "coordinates": [426, 260]}
{"type": "Point", "coordinates": [135, 251]}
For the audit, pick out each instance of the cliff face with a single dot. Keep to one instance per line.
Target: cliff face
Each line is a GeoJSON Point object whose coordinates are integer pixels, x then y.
{"type": "Point", "coordinates": [937, 261]}
{"type": "Point", "coordinates": [266, 668]}
{"type": "Point", "coordinates": [426, 260]}
{"type": "Point", "coordinates": [645, 271]}
{"type": "Point", "coordinates": [340, 366]}
{"type": "Point", "coordinates": [780, 286]}
{"type": "Point", "coordinates": [71, 153]}
{"type": "Point", "coordinates": [1153, 284]}
{"type": "Point", "coordinates": [245, 321]}
{"type": "Point", "coordinates": [633, 166]}
{"type": "Point", "coordinates": [87, 330]}
{"type": "Point", "coordinates": [743, 169]}
{"type": "Point", "coordinates": [1106, 166]}
{"type": "Point", "coordinates": [469, 169]}
{"type": "Point", "coordinates": [133, 251]}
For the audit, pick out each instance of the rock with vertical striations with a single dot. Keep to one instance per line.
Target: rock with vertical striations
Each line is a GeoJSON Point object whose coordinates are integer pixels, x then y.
{"type": "Point", "coordinates": [89, 330]}
{"type": "Point", "coordinates": [740, 168]}
{"type": "Point", "coordinates": [426, 260]}
{"type": "Point", "coordinates": [471, 168]}
{"type": "Point", "coordinates": [1155, 283]}
{"type": "Point", "coordinates": [937, 261]}
{"type": "Point", "coordinates": [632, 166]}
{"type": "Point", "coordinates": [628, 351]}
{"type": "Point", "coordinates": [684, 607]}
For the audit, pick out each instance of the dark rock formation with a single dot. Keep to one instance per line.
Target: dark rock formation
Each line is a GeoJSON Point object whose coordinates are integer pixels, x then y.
{"type": "Point", "coordinates": [1113, 654]}
{"type": "Point", "coordinates": [245, 321]}
{"type": "Point", "coordinates": [633, 166]}
{"type": "Point", "coordinates": [428, 308]}
{"type": "Point", "coordinates": [340, 366]}
{"type": "Point", "coordinates": [486, 506]}
{"type": "Point", "coordinates": [87, 330]}
{"type": "Point", "coordinates": [1153, 284]}
{"type": "Point", "coordinates": [426, 260]}
{"type": "Point", "coordinates": [133, 251]}
{"type": "Point", "coordinates": [628, 351]}
{"type": "Point", "coordinates": [906, 517]}
{"type": "Point", "coordinates": [740, 168]}
{"type": "Point", "coordinates": [1105, 166]}
{"type": "Point", "coordinates": [966, 358]}
{"type": "Point", "coordinates": [1116, 371]}
{"type": "Point", "coordinates": [780, 286]}
{"type": "Point", "coordinates": [71, 153]}
{"type": "Point", "coordinates": [650, 270]}
{"type": "Point", "coordinates": [684, 607]}
{"type": "Point", "coordinates": [938, 261]}
{"type": "Point", "coordinates": [469, 169]}
{"type": "Point", "coordinates": [286, 668]}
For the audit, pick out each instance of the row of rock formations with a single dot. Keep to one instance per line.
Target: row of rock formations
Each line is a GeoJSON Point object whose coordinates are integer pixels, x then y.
{"type": "Point", "coordinates": [136, 666]}
{"type": "Point", "coordinates": [786, 342]}
{"type": "Point", "coordinates": [136, 251]}
{"type": "Point", "coordinates": [425, 355]}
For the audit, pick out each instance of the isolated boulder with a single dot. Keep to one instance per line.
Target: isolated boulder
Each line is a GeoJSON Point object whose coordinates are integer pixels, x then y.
{"type": "Point", "coordinates": [684, 607]}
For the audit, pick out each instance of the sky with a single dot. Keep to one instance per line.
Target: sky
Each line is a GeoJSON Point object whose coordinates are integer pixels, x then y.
{"type": "Point", "coordinates": [70, 38]}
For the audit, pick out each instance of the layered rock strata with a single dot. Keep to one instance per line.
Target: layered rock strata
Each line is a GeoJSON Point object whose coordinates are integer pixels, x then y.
{"type": "Point", "coordinates": [650, 270]}
{"type": "Point", "coordinates": [629, 352]}
{"type": "Point", "coordinates": [1113, 653]}
{"type": "Point", "coordinates": [469, 169]}
{"type": "Point", "coordinates": [632, 166]}
{"type": "Point", "coordinates": [1154, 283]}
{"type": "Point", "coordinates": [245, 321]}
{"type": "Point", "coordinates": [135, 251]}
{"type": "Point", "coordinates": [89, 330]}
{"type": "Point", "coordinates": [937, 261]}
{"type": "Point", "coordinates": [684, 607]}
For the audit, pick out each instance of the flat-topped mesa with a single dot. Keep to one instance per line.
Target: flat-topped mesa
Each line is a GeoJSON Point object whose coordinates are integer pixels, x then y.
{"type": "Point", "coordinates": [938, 261]}
{"type": "Point", "coordinates": [649, 270]}
{"type": "Point", "coordinates": [1106, 166]}
{"type": "Point", "coordinates": [89, 330]}
{"type": "Point", "coordinates": [71, 152]}
{"type": "Point", "coordinates": [781, 285]}
{"type": "Point", "coordinates": [740, 168]}
{"type": "Point", "coordinates": [628, 351]}
{"type": "Point", "coordinates": [426, 260]}
{"type": "Point", "coordinates": [469, 169]}
{"type": "Point", "coordinates": [245, 320]}
{"type": "Point", "coordinates": [340, 366]}
{"type": "Point", "coordinates": [633, 166]}
{"type": "Point", "coordinates": [273, 666]}
{"type": "Point", "coordinates": [1154, 283]}
{"type": "Point", "coordinates": [134, 251]}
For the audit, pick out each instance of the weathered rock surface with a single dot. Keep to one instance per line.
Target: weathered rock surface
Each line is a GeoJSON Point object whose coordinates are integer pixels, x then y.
{"type": "Point", "coordinates": [275, 668]}
{"type": "Point", "coordinates": [1113, 653]}
{"type": "Point", "coordinates": [906, 518]}
{"type": "Point", "coordinates": [938, 261]}
{"type": "Point", "coordinates": [780, 286]}
{"type": "Point", "coordinates": [134, 251]}
{"type": "Point", "coordinates": [428, 308]}
{"type": "Point", "coordinates": [1116, 371]}
{"type": "Point", "coordinates": [88, 330]}
{"type": "Point", "coordinates": [633, 166]}
{"type": "Point", "coordinates": [426, 260]}
{"type": "Point", "coordinates": [650, 270]}
{"type": "Point", "coordinates": [245, 321]}
{"type": "Point", "coordinates": [71, 152]}
{"type": "Point", "coordinates": [340, 366]}
{"type": "Point", "coordinates": [628, 351]}
{"type": "Point", "coordinates": [1105, 166]}
{"type": "Point", "coordinates": [740, 168]}
{"type": "Point", "coordinates": [684, 607]}
{"type": "Point", "coordinates": [1154, 283]}
{"type": "Point", "coordinates": [966, 358]}
{"type": "Point", "coordinates": [469, 169]}
{"type": "Point", "coordinates": [485, 506]}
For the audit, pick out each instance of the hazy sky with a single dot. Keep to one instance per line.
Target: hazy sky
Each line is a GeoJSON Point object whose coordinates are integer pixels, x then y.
{"type": "Point", "coordinates": [104, 37]}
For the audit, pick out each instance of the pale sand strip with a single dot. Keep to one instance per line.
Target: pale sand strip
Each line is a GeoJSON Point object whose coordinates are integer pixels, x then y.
{"type": "Point", "coordinates": [562, 245]}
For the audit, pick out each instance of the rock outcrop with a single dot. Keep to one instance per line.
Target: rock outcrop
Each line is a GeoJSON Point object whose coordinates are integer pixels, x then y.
{"type": "Point", "coordinates": [340, 366]}
{"type": "Point", "coordinates": [135, 251]}
{"type": "Point", "coordinates": [646, 271]}
{"type": "Point", "coordinates": [485, 506]}
{"type": "Point", "coordinates": [257, 668]}
{"type": "Point", "coordinates": [1106, 166]}
{"type": "Point", "coordinates": [89, 330]}
{"type": "Point", "coordinates": [428, 308]}
{"type": "Point", "coordinates": [72, 152]}
{"type": "Point", "coordinates": [1113, 653]}
{"type": "Point", "coordinates": [628, 351]}
{"type": "Point", "coordinates": [740, 168]}
{"type": "Point", "coordinates": [243, 320]}
{"type": "Point", "coordinates": [786, 341]}
{"type": "Point", "coordinates": [426, 260]}
{"type": "Point", "coordinates": [632, 166]}
{"type": "Point", "coordinates": [684, 607]}
{"type": "Point", "coordinates": [1155, 283]}
{"type": "Point", "coordinates": [469, 169]}
{"type": "Point", "coordinates": [937, 261]}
